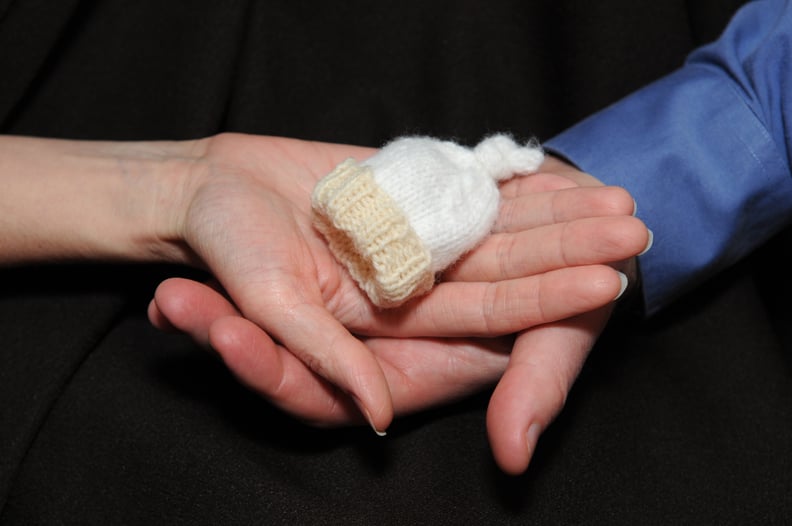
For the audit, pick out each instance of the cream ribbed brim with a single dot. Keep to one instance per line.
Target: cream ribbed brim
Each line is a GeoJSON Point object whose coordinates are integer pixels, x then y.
{"type": "Point", "coordinates": [371, 236]}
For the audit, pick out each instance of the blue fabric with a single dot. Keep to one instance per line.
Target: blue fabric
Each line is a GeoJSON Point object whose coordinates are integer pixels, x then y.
{"type": "Point", "coordinates": [705, 151]}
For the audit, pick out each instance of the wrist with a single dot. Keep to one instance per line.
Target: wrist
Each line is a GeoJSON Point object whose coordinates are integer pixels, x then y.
{"type": "Point", "coordinates": [161, 179]}
{"type": "Point", "coordinates": [88, 200]}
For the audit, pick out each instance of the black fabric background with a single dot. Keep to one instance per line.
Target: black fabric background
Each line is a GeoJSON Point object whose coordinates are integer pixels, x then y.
{"type": "Point", "coordinates": [686, 418]}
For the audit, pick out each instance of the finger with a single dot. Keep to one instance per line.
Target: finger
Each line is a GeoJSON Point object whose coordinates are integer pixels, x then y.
{"type": "Point", "coordinates": [422, 373]}
{"type": "Point", "coordinates": [159, 320]}
{"type": "Point", "coordinates": [530, 210]}
{"type": "Point", "coordinates": [203, 312]}
{"type": "Point", "coordinates": [534, 183]}
{"type": "Point", "coordinates": [188, 306]}
{"type": "Point", "coordinates": [544, 364]}
{"type": "Point", "coordinates": [425, 372]}
{"type": "Point", "coordinates": [582, 242]}
{"type": "Point", "coordinates": [493, 309]}
{"type": "Point", "coordinates": [277, 375]}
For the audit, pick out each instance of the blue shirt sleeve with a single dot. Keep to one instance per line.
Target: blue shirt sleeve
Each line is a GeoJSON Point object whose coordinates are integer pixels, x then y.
{"type": "Point", "coordinates": [705, 151]}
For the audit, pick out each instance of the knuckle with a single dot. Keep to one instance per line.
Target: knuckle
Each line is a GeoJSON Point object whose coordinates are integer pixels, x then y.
{"type": "Point", "coordinates": [504, 256]}
{"type": "Point", "coordinates": [619, 201]}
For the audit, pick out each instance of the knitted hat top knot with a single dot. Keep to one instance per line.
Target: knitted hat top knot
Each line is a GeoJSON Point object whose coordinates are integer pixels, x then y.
{"type": "Point", "coordinates": [414, 208]}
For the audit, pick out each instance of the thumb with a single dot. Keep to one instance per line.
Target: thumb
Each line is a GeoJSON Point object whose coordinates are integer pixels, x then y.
{"type": "Point", "coordinates": [310, 332]}
{"type": "Point", "coordinates": [543, 366]}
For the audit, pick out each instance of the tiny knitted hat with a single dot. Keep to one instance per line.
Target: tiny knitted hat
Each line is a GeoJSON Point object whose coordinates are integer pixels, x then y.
{"type": "Point", "coordinates": [405, 214]}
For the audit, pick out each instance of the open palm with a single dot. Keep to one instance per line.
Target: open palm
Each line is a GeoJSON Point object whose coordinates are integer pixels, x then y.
{"type": "Point", "coordinates": [248, 220]}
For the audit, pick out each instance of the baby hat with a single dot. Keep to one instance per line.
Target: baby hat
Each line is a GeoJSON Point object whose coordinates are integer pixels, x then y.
{"type": "Point", "coordinates": [400, 217]}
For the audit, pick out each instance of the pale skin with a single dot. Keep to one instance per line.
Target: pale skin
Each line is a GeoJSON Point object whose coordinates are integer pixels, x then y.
{"type": "Point", "coordinates": [290, 322]}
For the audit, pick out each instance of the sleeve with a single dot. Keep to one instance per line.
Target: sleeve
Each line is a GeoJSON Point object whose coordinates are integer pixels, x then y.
{"type": "Point", "coordinates": [705, 151]}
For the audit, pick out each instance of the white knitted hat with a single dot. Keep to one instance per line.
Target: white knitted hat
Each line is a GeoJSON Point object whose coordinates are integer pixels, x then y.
{"type": "Point", "coordinates": [414, 208]}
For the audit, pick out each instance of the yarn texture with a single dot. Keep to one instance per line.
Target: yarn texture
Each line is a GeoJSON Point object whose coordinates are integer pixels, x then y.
{"type": "Point", "coordinates": [402, 216]}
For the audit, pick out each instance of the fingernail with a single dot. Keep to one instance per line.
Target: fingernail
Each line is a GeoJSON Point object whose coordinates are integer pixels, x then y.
{"type": "Point", "coordinates": [532, 437]}
{"type": "Point", "coordinates": [635, 208]}
{"type": "Point", "coordinates": [624, 282]}
{"type": "Point", "coordinates": [371, 423]}
{"type": "Point", "coordinates": [649, 243]}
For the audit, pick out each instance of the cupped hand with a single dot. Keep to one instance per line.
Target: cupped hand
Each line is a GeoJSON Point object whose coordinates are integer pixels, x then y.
{"type": "Point", "coordinates": [248, 221]}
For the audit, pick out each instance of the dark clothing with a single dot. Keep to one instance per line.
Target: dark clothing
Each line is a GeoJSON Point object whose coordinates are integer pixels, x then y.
{"type": "Point", "coordinates": [685, 418]}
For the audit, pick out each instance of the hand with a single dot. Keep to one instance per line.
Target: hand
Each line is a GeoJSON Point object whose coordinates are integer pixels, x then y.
{"type": "Point", "coordinates": [265, 221]}
{"type": "Point", "coordinates": [544, 364]}
{"type": "Point", "coordinates": [421, 372]}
